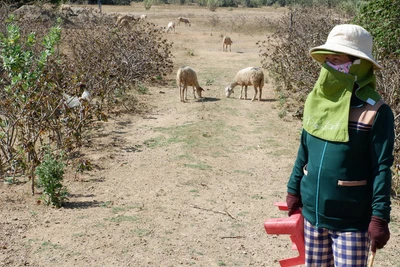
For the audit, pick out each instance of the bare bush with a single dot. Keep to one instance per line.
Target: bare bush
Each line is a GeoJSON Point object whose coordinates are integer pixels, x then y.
{"type": "Point", "coordinates": [213, 20]}
{"type": "Point", "coordinates": [93, 56]}
{"type": "Point", "coordinates": [237, 22]}
{"type": "Point", "coordinates": [285, 52]}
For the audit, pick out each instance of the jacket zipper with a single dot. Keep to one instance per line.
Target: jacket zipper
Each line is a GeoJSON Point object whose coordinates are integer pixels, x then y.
{"type": "Point", "coordinates": [318, 186]}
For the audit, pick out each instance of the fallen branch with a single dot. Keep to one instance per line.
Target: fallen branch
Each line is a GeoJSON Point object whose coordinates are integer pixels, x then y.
{"type": "Point", "coordinates": [238, 236]}
{"type": "Point", "coordinates": [215, 211]}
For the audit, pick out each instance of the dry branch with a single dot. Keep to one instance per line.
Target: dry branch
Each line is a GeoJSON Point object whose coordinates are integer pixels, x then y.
{"type": "Point", "coordinates": [215, 211]}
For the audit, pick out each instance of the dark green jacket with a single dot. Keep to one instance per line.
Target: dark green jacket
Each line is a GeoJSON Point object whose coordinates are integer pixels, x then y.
{"type": "Point", "coordinates": [343, 184]}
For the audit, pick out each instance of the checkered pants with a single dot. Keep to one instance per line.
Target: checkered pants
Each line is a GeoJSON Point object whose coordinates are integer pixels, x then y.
{"type": "Point", "coordinates": [326, 248]}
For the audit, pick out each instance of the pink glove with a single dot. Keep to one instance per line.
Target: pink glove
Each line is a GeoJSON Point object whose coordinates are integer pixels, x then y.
{"type": "Point", "coordinates": [379, 234]}
{"type": "Point", "coordinates": [293, 203]}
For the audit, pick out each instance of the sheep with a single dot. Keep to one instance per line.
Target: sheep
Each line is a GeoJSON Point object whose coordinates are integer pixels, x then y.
{"type": "Point", "coordinates": [185, 77]}
{"type": "Point", "coordinates": [184, 20]}
{"type": "Point", "coordinates": [248, 76]}
{"type": "Point", "coordinates": [143, 17]}
{"type": "Point", "coordinates": [171, 26]}
{"type": "Point", "coordinates": [75, 101]}
{"type": "Point", "coordinates": [226, 41]}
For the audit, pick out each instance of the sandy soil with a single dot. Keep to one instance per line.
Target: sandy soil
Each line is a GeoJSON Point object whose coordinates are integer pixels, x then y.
{"type": "Point", "coordinates": [184, 184]}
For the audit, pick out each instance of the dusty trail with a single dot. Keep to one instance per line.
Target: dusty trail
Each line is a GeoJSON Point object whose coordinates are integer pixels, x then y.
{"type": "Point", "coordinates": [185, 184]}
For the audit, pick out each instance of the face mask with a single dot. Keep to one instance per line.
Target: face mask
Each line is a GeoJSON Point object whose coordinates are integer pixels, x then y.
{"type": "Point", "coordinates": [345, 67]}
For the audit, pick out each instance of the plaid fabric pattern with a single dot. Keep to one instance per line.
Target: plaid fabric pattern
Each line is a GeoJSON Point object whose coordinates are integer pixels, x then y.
{"type": "Point", "coordinates": [326, 248]}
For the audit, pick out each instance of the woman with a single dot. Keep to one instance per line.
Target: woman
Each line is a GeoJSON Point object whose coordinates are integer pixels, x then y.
{"type": "Point", "coordinates": [341, 178]}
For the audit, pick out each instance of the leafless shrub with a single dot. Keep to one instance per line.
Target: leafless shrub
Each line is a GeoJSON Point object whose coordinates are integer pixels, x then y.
{"type": "Point", "coordinates": [284, 53]}
{"type": "Point", "coordinates": [264, 22]}
{"type": "Point", "coordinates": [213, 20]}
{"type": "Point", "coordinates": [237, 22]}
{"type": "Point", "coordinates": [94, 55]}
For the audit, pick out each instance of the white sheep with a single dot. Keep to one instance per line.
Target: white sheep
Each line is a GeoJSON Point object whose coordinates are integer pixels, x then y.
{"type": "Point", "coordinates": [171, 27]}
{"type": "Point", "coordinates": [184, 20]}
{"type": "Point", "coordinates": [143, 17]}
{"type": "Point", "coordinates": [226, 41]}
{"type": "Point", "coordinates": [75, 101]}
{"type": "Point", "coordinates": [245, 77]}
{"type": "Point", "coordinates": [185, 77]}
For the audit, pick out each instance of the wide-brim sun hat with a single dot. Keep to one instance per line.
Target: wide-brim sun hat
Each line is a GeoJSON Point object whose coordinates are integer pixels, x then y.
{"type": "Point", "coordinates": [347, 39]}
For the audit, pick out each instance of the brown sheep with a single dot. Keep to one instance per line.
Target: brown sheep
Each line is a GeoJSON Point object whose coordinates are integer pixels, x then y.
{"type": "Point", "coordinates": [226, 41]}
{"type": "Point", "coordinates": [184, 20]}
{"type": "Point", "coordinates": [185, 77]}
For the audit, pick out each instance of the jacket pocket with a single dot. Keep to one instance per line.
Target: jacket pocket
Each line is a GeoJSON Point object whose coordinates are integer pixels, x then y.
{"type": "Point", "coordinates": [349, 200]}
{"type": "Point", "coordinates": [352, 183]}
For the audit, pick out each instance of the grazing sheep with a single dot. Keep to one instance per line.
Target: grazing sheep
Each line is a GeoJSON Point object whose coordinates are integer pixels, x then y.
{"type": "Point", "coordinates": [142, 17]}
{"type": "Point", "coordinates": [226, 41]}
{"type": "Point", "coordinates": [185, 77]}
{"type": "Point", "coordinates": [248, 76]}
{"type": "Point", "coordinates": [184, 20]}
{"type": "Point", "coordinates": [171, 26]}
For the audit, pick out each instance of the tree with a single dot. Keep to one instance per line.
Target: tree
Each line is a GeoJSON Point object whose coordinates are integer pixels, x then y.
{"type": "Point", "coordinates": [26, 106]}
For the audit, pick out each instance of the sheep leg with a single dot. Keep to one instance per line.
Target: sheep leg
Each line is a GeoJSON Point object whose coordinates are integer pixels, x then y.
{"type": "Point", "coordinates": [181, 92]}
{"type": "Point", "coordinates": [245, 92]}
{"type": "Point", "coordinates": [241, 93]}
{"type": "Point", "coordinates": [194, 94]}
{"type": "Point", "coordinates": [259, 97]}
{"type": "Point", "coordinates": [255, 93]}
{"type": "Point", "coordinates": [185, 91]}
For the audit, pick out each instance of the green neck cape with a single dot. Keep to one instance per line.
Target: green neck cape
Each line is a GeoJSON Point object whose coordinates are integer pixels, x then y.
{"type": "Point", "coordinates": [326, 111]}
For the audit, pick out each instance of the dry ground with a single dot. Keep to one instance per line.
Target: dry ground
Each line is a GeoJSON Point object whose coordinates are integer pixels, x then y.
{"type": "Point", "coordinates": [186, 184]}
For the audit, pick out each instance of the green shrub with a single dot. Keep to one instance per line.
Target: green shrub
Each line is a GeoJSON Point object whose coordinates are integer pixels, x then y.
{"type": "Point", "coordinates": [228, 3]}
{"type": "Point", "coordinates": [381, 18]}
{"type": "Point", "coordinates": [147, 4]}
{"type": "Point", "coordinates": [213, 4]}
{"type": "Point", "coordinates": [28, 104]}
{"type": "Point", "coordinates": [50, 176]}
{"type": "Point", "coordinates": [142, 89]}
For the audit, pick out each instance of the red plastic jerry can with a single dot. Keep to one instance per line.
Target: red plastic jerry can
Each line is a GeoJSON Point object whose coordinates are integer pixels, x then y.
{"type": "Point", "coordinates": [293, 226]}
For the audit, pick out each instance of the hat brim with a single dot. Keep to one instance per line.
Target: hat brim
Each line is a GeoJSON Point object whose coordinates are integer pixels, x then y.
{"type": "Point", "coordinates": [319, 52]}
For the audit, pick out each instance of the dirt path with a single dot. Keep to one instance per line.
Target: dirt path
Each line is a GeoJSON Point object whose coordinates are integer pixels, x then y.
{"type": "Point", "coordinates": [186, 184]}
